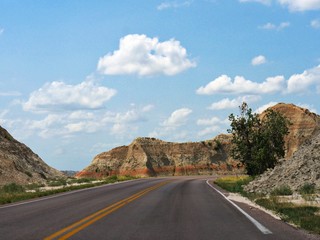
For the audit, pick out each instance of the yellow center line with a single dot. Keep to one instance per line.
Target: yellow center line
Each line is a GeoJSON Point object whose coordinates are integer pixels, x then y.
{"type": "Point", "coordinates": [87, 221]}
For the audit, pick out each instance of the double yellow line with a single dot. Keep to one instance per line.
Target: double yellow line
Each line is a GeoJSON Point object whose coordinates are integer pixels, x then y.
{"type": "Point", "coordinates": [76, 227]}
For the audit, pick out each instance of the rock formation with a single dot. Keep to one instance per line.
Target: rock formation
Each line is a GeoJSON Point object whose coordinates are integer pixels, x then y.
{"type": "Point", "coordinates": [303, 125]}
{"type": "Point", "coordinates": [153, 157]}
{"type": "Point", "coordinates": [20, 165]}
{"type": "Point", "coordinates": [302, 168]}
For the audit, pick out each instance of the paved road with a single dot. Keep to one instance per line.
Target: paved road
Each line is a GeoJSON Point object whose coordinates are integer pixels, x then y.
{"type": "Point", "coordinates": [161, 208]}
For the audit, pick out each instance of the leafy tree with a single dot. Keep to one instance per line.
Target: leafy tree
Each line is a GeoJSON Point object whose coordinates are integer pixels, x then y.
{"type": "Point", "coordinates": [258, 143]}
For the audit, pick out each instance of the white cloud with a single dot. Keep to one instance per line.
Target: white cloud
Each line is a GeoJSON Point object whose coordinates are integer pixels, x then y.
{"type": "Point", "coordinates": [271, 26]}
{"type": "Point", "coordinates": [315, 23]}
{"type": "Point", "coordinates": [213, 125]}
{"type": "Point", "coordinates": [301, 5]}
{"type": "Point", "coordinates": [61, 96]}
{"type": "Point", "coordinates": [10, 94]}
{"type": "Point", "coordinates": [299, 83]}
{"type": "Point", "coordinates": [148, 108]}
{"type": "Point", "coordinates": [227, 103]}
{"type": "Point", "coordinates": [144, 56]}
{"type": "Point", "coordinates": [177, 118]}
{"type": "Point", "coordinates": [240, 85]}
{"type": "Point", "coordinates": [293, 5]}
{"type": "Point", "coordinates": [265, 2]}
{"type": "Point", "coordinates": [170, 126]}
{"type": "Point", "coordinates": [174, 4]}
{"type": "Point", "coordinates": [208, 121]}
{"type": "Point", "coordinates": [1, 30]}
{"type": "Point", "coordinates": [264, 107]}
{"type": "Point", "coordinates": [258, 60]}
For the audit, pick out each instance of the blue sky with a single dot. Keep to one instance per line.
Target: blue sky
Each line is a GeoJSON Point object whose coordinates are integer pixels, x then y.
{"type": "Point", "coordinates": [80, 77]}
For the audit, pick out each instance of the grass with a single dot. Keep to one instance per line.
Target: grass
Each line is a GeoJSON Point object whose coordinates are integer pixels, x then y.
{"type": "Point", "coordinates": [233, 183]}
{"type": "Point", "coordinates": [282, 191]}
{"type": "Point", "coordinates": [306, 217]}
{"type": "Point", "coordinates": [13, 192]}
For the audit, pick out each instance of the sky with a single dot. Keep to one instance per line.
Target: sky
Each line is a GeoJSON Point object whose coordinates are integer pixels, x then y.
{"type": "Point", "coordinates": [79, 77]}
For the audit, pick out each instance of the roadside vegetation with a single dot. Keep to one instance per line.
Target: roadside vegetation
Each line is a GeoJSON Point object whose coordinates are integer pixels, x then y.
{"type": "Point", "coordinates": [258, 143]}
{"type": "Point", "coordinates": [14, 192]}
{"type": "Point", "coordinates": [302, 215]}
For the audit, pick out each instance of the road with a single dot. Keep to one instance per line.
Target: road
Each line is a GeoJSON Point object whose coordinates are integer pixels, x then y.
{"type": "Point", "coordinates": [179, 208]}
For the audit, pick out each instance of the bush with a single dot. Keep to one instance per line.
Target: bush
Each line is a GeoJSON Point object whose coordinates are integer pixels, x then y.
{"type": "Point", "coordinates": [13, 188]}
{"type": "Point", "coordinates": [58, 182]}
{"type": "Point", "coordinates": [307, 188]}
{"type": "Point", "coordinates": [283, 191]}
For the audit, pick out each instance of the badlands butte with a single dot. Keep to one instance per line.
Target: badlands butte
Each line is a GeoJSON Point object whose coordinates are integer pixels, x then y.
{"type": "Point", "coordinates": [153, 157]}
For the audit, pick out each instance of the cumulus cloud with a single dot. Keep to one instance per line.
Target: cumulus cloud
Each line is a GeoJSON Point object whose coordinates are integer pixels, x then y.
{"type": "Point", "coordinates": [301, 5]}
{"type": "Point", "coordinates": [240, 85]}
{"type": "Point", "coordinates": [174, 4]}
{"type": "Point", "coordinates": [177, 118]}
{"type": "Point", "coordinates": [58, 95]}
{"type": "Point", "coordinates": [170, 126]}
{"type": "Point", "coordinates": [299, 83]}
{"type": "Point", "coordinates": [271, 26]}
{"type": "Point", "coordinates": [315, 23]}
{"type": "Point", "coordinates": [265, 2]}
{"type": "Point", "coordinates": [227, 103]}
{"type": "Point", "coordinates": [264, 107]}
{"type": "Point", "coordinates": [292, 5]}
{"type": "Point", "coordinates": [258, 60]}
{"type": "Point", "coordinates": [144, 56]}
{"type": "Point", "coordinates": [67, 124]}
{"type": "Point", "coordinates": [212, 125]}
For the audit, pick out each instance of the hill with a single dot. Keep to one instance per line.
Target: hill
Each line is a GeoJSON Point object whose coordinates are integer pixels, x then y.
{"type": "Point", "coordinates": [154, 157]}
{"type": "Point", "coordinates": [19, 164]}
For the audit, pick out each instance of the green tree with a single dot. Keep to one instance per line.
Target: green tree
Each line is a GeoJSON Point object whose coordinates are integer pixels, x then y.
{"type": "Point", "coordinates": [258, 143]}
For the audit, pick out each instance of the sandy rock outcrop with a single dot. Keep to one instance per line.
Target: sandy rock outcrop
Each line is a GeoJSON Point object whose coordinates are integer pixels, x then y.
{"type": "Point", "coordinates": [20, 165]}
{"type": "Point", "coordinates": [154, 157]}
{"type": "Point", "coordinates": [302, 168]}
{"type": "Point", "coordinates": [304, 124]}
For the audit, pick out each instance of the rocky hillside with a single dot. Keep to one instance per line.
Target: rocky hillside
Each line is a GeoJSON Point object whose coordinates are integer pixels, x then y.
{"type": "Point", "coordinates": [153, 157]}
{"type": "Point", "coordinates": [304, 124]}
{"type": "Point", "coordinates": [303, 167]}
{"type": "Point", "coordinates": [20, 165]}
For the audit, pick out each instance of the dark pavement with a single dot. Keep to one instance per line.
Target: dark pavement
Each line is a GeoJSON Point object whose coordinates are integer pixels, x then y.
{"type": "Point", "coordinates": [157, 208]}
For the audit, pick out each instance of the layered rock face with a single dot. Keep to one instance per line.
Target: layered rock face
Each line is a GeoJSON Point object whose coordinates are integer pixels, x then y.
{"type": "Point", "coordinates": [304, 124]}
{"type": "Point", "coordinates": [20, 165]}
{"type": "Point", "coordinates": [153, 157]}
{"type": "Point", "coordinates": [302, 168]}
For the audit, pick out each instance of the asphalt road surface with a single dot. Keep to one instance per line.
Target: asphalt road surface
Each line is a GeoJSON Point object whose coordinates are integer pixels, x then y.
{"type": "Point", "coordinates": [179, 208]}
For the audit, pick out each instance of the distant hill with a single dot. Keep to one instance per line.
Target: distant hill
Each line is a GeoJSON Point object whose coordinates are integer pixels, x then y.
{"type": "Point", "coordinates": [20, 165]}
{"type": "Point", "coordinates": [153, 157]}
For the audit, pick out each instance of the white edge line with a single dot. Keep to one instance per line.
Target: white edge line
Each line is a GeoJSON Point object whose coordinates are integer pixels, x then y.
{"type": "Point", "coordinates": [62, 194]}
{"type": "Point", "coordinates": [262, 228]}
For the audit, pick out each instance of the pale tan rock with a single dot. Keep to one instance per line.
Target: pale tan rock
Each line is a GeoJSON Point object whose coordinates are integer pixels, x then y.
{"type": "Point", "coordinates": [20, 165]}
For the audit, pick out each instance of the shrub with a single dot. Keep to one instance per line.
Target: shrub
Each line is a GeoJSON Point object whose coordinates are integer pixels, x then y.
{"type": "Point", "coordinates": [58, 182]}
{"type": "Point", "coordinates": [307, 188]}
{"type": "Point", "coordinates": [13, 188]}
{"type": "Point", "coordinates": [282, 190]}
